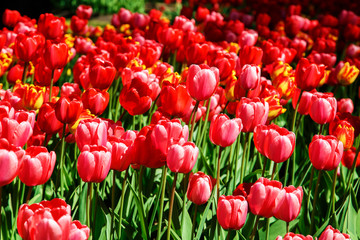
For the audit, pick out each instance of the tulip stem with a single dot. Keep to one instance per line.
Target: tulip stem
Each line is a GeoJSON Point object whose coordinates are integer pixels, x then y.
{"type": "Point", "coordinates": [0, 211]}
{"type": "Point", "coordinates": [123, 190]}
{"type": "Point", "coordinates": [267, 228]}
{"type": "Point", "coordinates": [62, 162]}
{"type": "Point", "coordinates": [236, 159]}
{"type": "Point", "coordinates": [193, 119]}
{"type": "Point", "coordinates": [51, 85]}
{"type": "Point", "coordinates": [88, 204]}
{"type": "Point", "coordinates": [273, 171]}
{"type": "Point", "coordinates": [293, 159]}
{"type": "Point", "coordinates": [194, 221]}
{"type": "Point", "coordinates": [25, 71]}
{"type": "Point", "coordinates": [349, 183]}
{"type": "Point", "coordinates": [218, 173]}
{"type": "Point", "coordinates": [314, 202]}
{"type": "Point", "coordinates": [310, 186]}
{"type": "Point", "coordinates": [204, 128]}
{"type": "Point", "coordinates": [242, 171]}
{"type": "Point", "coordinates": [255, 228]}
{"type": "Point", "coordinates": [264, 167]}
{"type": "Point", "coordinates": [171, 205]}
{"type": "Point", "coordinates": [321, 128]}
{"type": "Point", "coordinates": [287, 227]}
{"type": "Point", "coordinates": [112, 204]}
{"type": "Point", "coordinates": [333, 192]}
{"type": "Point", "coordinates": [163, 186]}
{"type": "Point", "coordinates": [29, 194]}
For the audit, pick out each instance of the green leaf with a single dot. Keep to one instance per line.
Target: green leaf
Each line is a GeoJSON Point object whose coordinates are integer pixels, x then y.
{"type": "Point", "coordinates": [186, 226]}
{"type": "Point", "coordinates": [358, 224]}
{"type": "Point", "coordinates": [277, 228]}
{"type": "Point", "coordinates": [204, 216]}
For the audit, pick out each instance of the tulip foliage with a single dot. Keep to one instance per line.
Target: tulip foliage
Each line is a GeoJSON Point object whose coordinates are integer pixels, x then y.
{"type": "Point", "coordinates": [239, 123]}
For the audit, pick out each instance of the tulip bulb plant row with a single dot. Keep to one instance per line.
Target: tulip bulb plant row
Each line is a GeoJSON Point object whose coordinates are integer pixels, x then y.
{"type": "Point", "coordinates": [238, 126]}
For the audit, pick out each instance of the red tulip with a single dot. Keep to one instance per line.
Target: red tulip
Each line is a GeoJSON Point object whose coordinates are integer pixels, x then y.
{"type": "Point", "coordinates": [345, 105]}
{"type": "Point", "coordinates": [44, 220]}
{"type": "Point", "coordinates": [202, 81]}
{"type": "Point", "coordinates": [323, 107]}
{"type": "Point", "coordinates": [119, 159]}
{"type": "Point", "coordinates": [182, 158]}
{"type": "Point", "coordinates": [10, 17]}
{"type": "Point", "coordinates": [79, 25]}
{"type": "Point", "coordinates": [325, 152]}
{"type": "Point", "coordinates": [55, 55]}
{"type": "Point", "coordinates": [224, 131]}
{"type": "Point", "coordinates": [16, 133]}
{"type": "Point", "coordinates": [26, 46]}
{"type": "Point", "coordinates": [84, 11]}
{"type": "Point", "coordinates": [288, 203]}
{"type": "Point", "coordinates": [94, 163]}
{"type": "Point", "coordinates": [43, 74]}
{"type": "Point", "coordinates": [95, 100]}
{"type": "Point", "coordinates": [232, 212]}
{"type": "Point", "coordinates": [196, 53]}
{"type": "Point", "coordinates": [331, 233]}
{"type": "Point", "coordinates": [15, 73]}
{"type": "Point", "coordinates": [68, 111]}
{"type": "Point", "coordinates": [101, 74]}
{"type": "Point", "coordinates": [348, 158]}
{"type": "Point", "coordinates": [343, 131]}
{"type": "Point", "coordinates": [70, 90]}
{"type": "Point", "coordinates": [242, 189]}
{"type": "Point", "coordinates": [293, 236]}
{"type": "Point", "coordinates": [200, 187]}
{"type": "Point", "coordinates": [78, 231]}
{"type": "Point", "coordinates": [37, 166]}
{"type": "Point", "coordinates": [262, 197]}
{"type": "Point", "coordinates": [9, 166]}
{"type": "Point", "coordinates": [91, 132]}
{"type": "Point", "coordinates": [150, 52]}
{"type": "Point", "coordinates": [51, 27]}
{"type": "Point", "coordinates": [305, 101]}
{"type": "Point", "coordinates": [250, 55]}
{"type": "Point", "coordinates": [249, 77]}
{"type": "Point", "coordinates": [47, 120]}
{"type": "Point", "coordinates": [252, 112]}
{"type": "Point", "coordinates": [308, 75]}
{"type": "Point", "coordinates": [275, 142]}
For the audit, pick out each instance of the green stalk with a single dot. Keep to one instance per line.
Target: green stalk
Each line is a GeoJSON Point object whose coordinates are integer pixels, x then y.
{"type": "Point", "coordinates": [140, 182]}
{"type": "Point", "coordinates": [255, 228]}
{"type": "Point", "coordinates": [316, 194]}
{"type": "Point", "coordinates": [193, 119]}
{"type": "Point", "coordinates": [25, 71]}
{"type": "Point", "coordinates": [194, 222]}
{"type": "Point", "coordinates": [171, 205]}
{"type": "Point", "coordinates": [88, 204]}
{"type": "Point", "coordinates": [204, 128]}
{"type": "Point", "coordinates": [349, 182]}
{"type": "Point", "coordinates": [28, 194]}
{"type": "Point", "coordinates": [62, 162]}
{"type": "Point", "coordinates": [51, 84]}
{"type": "Point", "coordinates": [310, 186]}
{"type": "Point", "coordinates": [246, 143]}
{"type": "Point", "coordinates": [332, 208]}
{"type": "Point", "coordinates": [123, 190]}
{"type": "Point", "coordinates": [163, 186]}
{"type": "Point", "coordinates": [236, 159]}
{"type": "Point", "coordinates": [112, 205]}
{"type": "Point", "coordinates": [264, 167]}
{"type": "Point", "coordinates": [218, 173]}
{"type": "Point", "coordinates": [287, 227]}
{"type": "Point", "coordinates": [267, 228]}
{"type": "Point", "coordinates": [273, 172]}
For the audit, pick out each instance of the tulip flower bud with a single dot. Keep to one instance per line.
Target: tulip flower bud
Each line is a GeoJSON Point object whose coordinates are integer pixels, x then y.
{"type": "Point", "coordinates": [10, 17]}
{"type": "Point", "coordinates": [262, 197]}
{"type": "Point", "coordinates": [347, 74]}
{"type": "Point", "coordinates": [252, 112]}
{"type": "Point", "coordinates": [91, 132]}
{"type": "Point", "coordinates": [50, 26]}
{"type": "Point", "coordinates": [56, 55]}
{"type": "Point", "coordinates": [68, 111]}
{"type": "Point", "coordinates": [95, 100]}
{"type": "Point", "coordinates": [224, 131]}
{"type": "Point", "coordinates": [47, 120]}
{"type": "Point", "coordinates": [250, 77]}
{"type": "Point", "coordinates": [201, 83]}
{"type": "Point", "coordinates": [26, 46]}
{"type": "Point", "coordinates": [182, 158]}
{"type": "Point", "coordinates": [288, 203]}
{"type": "Point", "coordinates": [84, 11]}
{"type": "Point", "coordinates": [348, 158]}
{"type": "Point", "coordinates": [345, 105]}
{"type": "Point", "coordinates": [16, 133]}
{"type": "Point", "coordinates": [308, 75]}
{"type": "Point", "coordinates": [232, 212]}
{"type": "Point", "coordinates": [37, 166]}
{"type": "Point", "coordinates": [274, 142]}
{"type": "Point", "coordinates": [94, 163]}
{"type": "Point", "coordinates": [323, 107]}
{"type": "Point", "coordinates": [102, 74]}
{"type": "Point", "coordinates": [331, 233]}
{"type": "Point", "coordinates": [325, 152]}
{"type": "Point", "coordinates": [9, 165]}
{"type": "Point", "coordinates": [200, 187]}
{"type": "Point", "coordinates": [343, 131]}
{"type": "Point", "coordinates": [293, 236]}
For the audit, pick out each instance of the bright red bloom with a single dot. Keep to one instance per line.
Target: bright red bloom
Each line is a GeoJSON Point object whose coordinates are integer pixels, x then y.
{"type": "Point", "coordinates": [26, 46]}
{"type": "Point", "coordinates": [47, 120]}
{"type": "Point", "coordinates": [275, 142]}
{"type": "Point", "coordinates": [84, 11]}
{"type": "Point", "coordinates": [120, 160]}
{"type": "Point", "coordinates": [200, 187]}
{"type": "Point", "coordinates": [345, 105]}
{"type": "Point", "coordinates": [79, 25]}
{"type": "Point", "coordinates": [78, 231]}
{"type": "Point", "coordinates": [91, 132]}
{"type": "Point", "coordinates": [305, 101]}
{"type": "Point", "coordinates": [9, 166]}
{"type": "Point", "coordinates": [224, 131]}
{"type": "Point", "coordinates": [250, 55]}
{"type": "Point", "coordinates": [150, 52]}
{"type": "Point", "coordinates": [197, 53]}
{"type": "Point", "coordinates": [16, 132]}
{"type": "Point", "coordinates": [56, 55]}
{"type": "Point", "coordinates": [202, 81]}
{"type": "Point", "coordinates": [232, 212]}
{"type": "Point", "coordinates": [243, 189]}
{"type": "Point", "coordinates": [182, 158]}
{"type": "Point", "coordinates": [43, 74]}
{"type": "Point", "coordinates": [262, 197]}
{"type": "Point", "coordinates": [288, 203]}
{"type": "Point", "coordinates": [331, 233]}
{"type": "Point", "coordinates": [348, 158]}
{"type": "Point", "coordinates": [37, 166]}
{"type": "Point", "coordinates": [102, 74]}
{"type": "Point", "coordinates": [70, 90]}
{"type": "Point", "coordinates": [68, 111]}
{"type": "Point", "coordinates": [323, 107]}
{"type": "Point", "coordinates": [51, 27]}
{"type": "Point", "coordinates": [325, 152]}
{"type": "Point", "coordinates": [343, 131]}
{"type": "Point", "coordinates": [308, 75]}
{"type": "Point", "coordinates": [10, 17]}
{"type": "Point", "coordinates": [95, 100]}
{"type": "Point", "coordinates": [249, 77]}
{"type": "Point", "coordinates": [94, 163]}
{"type": "Point", "coordinates": [252, 112]}
{"type": "Point", "coordinates": [47, 219]}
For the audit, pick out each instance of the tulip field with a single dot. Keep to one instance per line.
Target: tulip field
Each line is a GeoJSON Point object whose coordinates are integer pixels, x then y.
{"type": "Point", "coordinates": [231, 120]}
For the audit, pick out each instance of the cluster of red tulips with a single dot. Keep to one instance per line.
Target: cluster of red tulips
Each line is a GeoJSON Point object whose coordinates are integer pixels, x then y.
{"type": "Point", "coordinates": [260, 107]}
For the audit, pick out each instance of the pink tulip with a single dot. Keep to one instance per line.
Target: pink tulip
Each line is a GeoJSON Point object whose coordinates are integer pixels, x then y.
{"type": "Point", "coordinates": [288, 203]}
{"type": "Point", "coordinates": [182, 158]}
{"type": "Point", "coordinates": [91, 132]}
{"type": "Point", "coordinates": [15, 132]}
{"type": "Point", "coordinates": [250, 77]}
{"type": "Point", "coordinates": [232, 212]}
{"type": "Point", "coordinates": [224, 131]}
{"type": "Point", "coordinates": [323, 107]}
{"type": "Point", "coordinates": [200, 187]}
{"type": "Point", "coordinates": [9, 165]}
{"type": "Point", "coordinates": [331, 233]}
{"type": "Point", "coordinates": [293, 236]}
{"type": "Point", "coordinates": [252, 112]}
